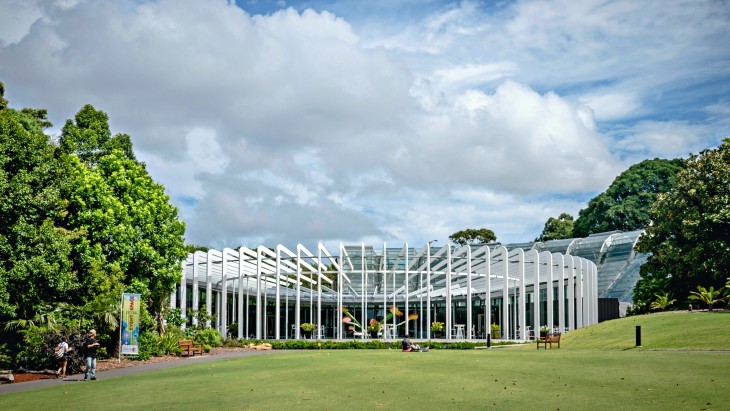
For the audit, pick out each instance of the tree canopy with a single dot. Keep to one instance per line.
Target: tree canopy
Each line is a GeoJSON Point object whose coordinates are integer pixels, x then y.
{"type": "Point", "coordinates": [625, 204]}
{"type": "Point", "coordinates": [130, 233]}
{"type": "Point", "coordinates": [689, 238]}
{"type": "Point", "coordinates": [33, 249]}
{"type": "Point", "coordinates": [473, 236]}
{"type": "Point", "coordinates": [80, 221]}
{"type": "Point", "coordinates": [557, 228]}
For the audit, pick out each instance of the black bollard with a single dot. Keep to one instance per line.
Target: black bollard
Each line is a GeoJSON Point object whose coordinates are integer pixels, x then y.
{"type": "Point", "coordinates": [489, 340]}
{"type": "Point", "coordinates": [638, 336]}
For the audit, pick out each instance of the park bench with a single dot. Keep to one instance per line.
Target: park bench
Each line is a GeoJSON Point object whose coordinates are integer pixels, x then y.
{"type": "Point", "coordinates": [549, 339]}
{"type": "Point", "coordinates": [190, 347]}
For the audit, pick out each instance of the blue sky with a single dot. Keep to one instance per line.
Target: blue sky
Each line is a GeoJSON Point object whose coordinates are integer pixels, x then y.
{"type": "Point", "coordinates": [378, 121]}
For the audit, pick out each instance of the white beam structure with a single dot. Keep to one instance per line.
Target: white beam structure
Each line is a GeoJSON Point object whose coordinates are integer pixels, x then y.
{"type": "Point", "coordinates": [468, 289]}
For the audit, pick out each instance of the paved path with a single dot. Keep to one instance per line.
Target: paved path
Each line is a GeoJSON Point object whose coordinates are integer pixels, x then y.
{"type": "Point", "coordinates": [118, 372]}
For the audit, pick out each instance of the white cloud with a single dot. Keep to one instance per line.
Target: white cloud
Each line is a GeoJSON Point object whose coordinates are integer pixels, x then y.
{"type": "Point", "coordinates": [613, 106]}
{"type": "Point", "coordinates": [300, 126]}
{"type": "Point", "coordinates": [475, 74]}
{"type": "Point", "coordinates": [205, 152]}
{"type": "Point", "coordinates": [665, 139]}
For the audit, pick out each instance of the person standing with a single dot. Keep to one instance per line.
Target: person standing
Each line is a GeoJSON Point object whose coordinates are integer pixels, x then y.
{"type": "Point", "coordinates": [91, 344]}
{"type": "Point", "coordinates": [62, 350]}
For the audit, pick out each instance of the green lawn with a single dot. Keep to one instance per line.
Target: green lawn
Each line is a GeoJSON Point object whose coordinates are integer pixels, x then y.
{"type": "Point", "coordinates": [661, 331]}
{"type": "Point", "coordinates": [570, 378]}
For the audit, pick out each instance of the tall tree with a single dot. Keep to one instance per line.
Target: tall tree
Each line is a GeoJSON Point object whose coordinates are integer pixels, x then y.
{"type": "Point", "coordinates": [473, 236]}
{"type": "Point", "coordinates": [34, 268]}
{"type": "Point", "coordinates": [557, 228]}
{"type": "Point", "coordinates": [625, 204]}
{"type": "Point", "coordinates": [689, 238]}
{"type": "Point", "coordinates": [157, 238]}
{"type": "Point", "coordinates": [132, 230]}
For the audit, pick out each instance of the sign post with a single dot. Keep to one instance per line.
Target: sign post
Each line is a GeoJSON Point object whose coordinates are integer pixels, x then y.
{"type": "Point", "coordinates": [129, 330]}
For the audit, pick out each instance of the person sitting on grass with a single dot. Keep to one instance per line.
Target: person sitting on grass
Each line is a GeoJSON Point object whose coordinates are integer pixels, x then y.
{"type": "Point", "coordinates": [408, 346]}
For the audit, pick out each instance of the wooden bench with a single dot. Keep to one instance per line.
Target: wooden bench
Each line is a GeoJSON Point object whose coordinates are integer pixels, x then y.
{"type": "Point", "coordinates": [190, 347]}
{"type": "Point", "coordinates": [549, 339]}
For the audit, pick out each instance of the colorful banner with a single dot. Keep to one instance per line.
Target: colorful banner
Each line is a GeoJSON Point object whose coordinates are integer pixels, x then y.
{"type": "Point", "coordinates": [130, 323]}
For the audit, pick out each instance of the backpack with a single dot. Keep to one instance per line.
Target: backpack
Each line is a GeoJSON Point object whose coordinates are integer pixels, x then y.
{"type": "Point", "coordinates": [58, 353]}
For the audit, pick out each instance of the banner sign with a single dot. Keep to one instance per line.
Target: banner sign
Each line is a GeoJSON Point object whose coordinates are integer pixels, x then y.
{"type": "Point", "coordinates": [130, 323]}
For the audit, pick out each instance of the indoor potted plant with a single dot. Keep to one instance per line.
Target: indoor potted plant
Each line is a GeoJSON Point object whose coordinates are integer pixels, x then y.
{"type": "Point", "coordinates": [308, 329]}
{"type": "Point", "coordinates": [374, 327]}
{"type": "Point", "coordinates": [437, 328]}
{"type": "Point", "coordinates": [544, 331]}
{"type": "Point", "coordinates": [496, 330]}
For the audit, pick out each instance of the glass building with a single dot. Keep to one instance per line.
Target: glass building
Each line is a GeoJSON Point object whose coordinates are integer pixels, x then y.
{"type": "Point", "coordinates": [476, 291]}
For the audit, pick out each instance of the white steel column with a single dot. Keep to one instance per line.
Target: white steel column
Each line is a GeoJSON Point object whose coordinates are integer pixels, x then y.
{"type": "Point", "coordinates": [258, 292]}
{"type": "Point", "coordinates": [522, 320]}
{"type": "Point", "coordinates": [536, 293]}
{"type": "Point", "coordinates": [208, 287]}
{"type": "Point", "coordinates": [448, 292]}
{"type": "Point", "coordinates": [240, 293]}
{"type": "Point", "coordinates": [218, 312]}
{"type": "Point", "coordinates": [428, 289]}
{"type": "Point", "coordinates": [505, 293]}
{"type": "Point", "coordinates": [277, 318]}
{"type": "Point", "coordinates": [297, 313]}
{"type": "Point", "coordinates": [364, 294]}
{"type": "Point", "coordinates": [579, 293]}
{"type": "Point", "coordinates": [223, 302]}
{"type": "Point", "coordinates": [405, 280]}
{"type": "Point", "coordinates": [469, 320]}
{"type": "Point", "coordinates": [550, 294]}
{"type": "Point", "coordinates": [385, 287]}
{"type": "Point", "coordinates": [559, 264]}
{"type": "Point", "coordinates": [184, 294]}
{"type": "Point", "coordinates": [571, 291]}
{"type": "Point", "coordinates": [488, 292]}
{"type": "Point", "coordinates": [196, 302]}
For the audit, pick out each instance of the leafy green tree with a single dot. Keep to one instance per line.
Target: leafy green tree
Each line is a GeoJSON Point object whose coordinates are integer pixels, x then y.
{"type": "Point", "coordinates": [625, 204]}
{"type": "Point", "coordinates": [103, 235]}
{"type": "Point", "coordinates": [709, 296]}
{"type": "Point", "coordinates": [34, 268]}
{"type": "Point", "coordinates": [473, 236]}
{"type": "Point", "coordinates": [157, 237]}
{"type": "Point", "coordinates": [688, 237]}
{"type": "Point", "coordinates": [557, 228]}
{"type": "Point", "coordinates": [128, 229]}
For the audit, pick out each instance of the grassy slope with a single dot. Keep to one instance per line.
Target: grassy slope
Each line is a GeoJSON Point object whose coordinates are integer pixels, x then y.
{"type": "Point", "coordinates": [661, 331]}
{"type": "Point", "coordinates": [576, 377]}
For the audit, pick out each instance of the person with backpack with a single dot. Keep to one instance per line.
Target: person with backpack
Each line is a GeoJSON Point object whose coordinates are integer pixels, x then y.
{"type": "Point", "coordinates": [91, 344]}
{"type": "Point", "coordinates": [61, 354]}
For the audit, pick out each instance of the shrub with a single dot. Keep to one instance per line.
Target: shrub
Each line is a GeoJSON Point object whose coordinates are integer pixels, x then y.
{"type": "Point", "coordinates": [209, 336]}
{"type": "Point", "coordinates": [207, 348]}
{"type": "Point", "coordinates": [367, 345]}
{"type": "Point", "coordinates": [232, 343]}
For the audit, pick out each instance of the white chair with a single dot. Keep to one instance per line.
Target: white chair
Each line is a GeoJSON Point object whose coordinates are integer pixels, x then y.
{"type": "Point", "coordinates": [459, 331]}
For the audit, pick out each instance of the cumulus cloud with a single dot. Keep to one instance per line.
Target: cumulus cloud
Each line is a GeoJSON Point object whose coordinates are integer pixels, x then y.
{"type": "Point", "coordinates": [303, 125]}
